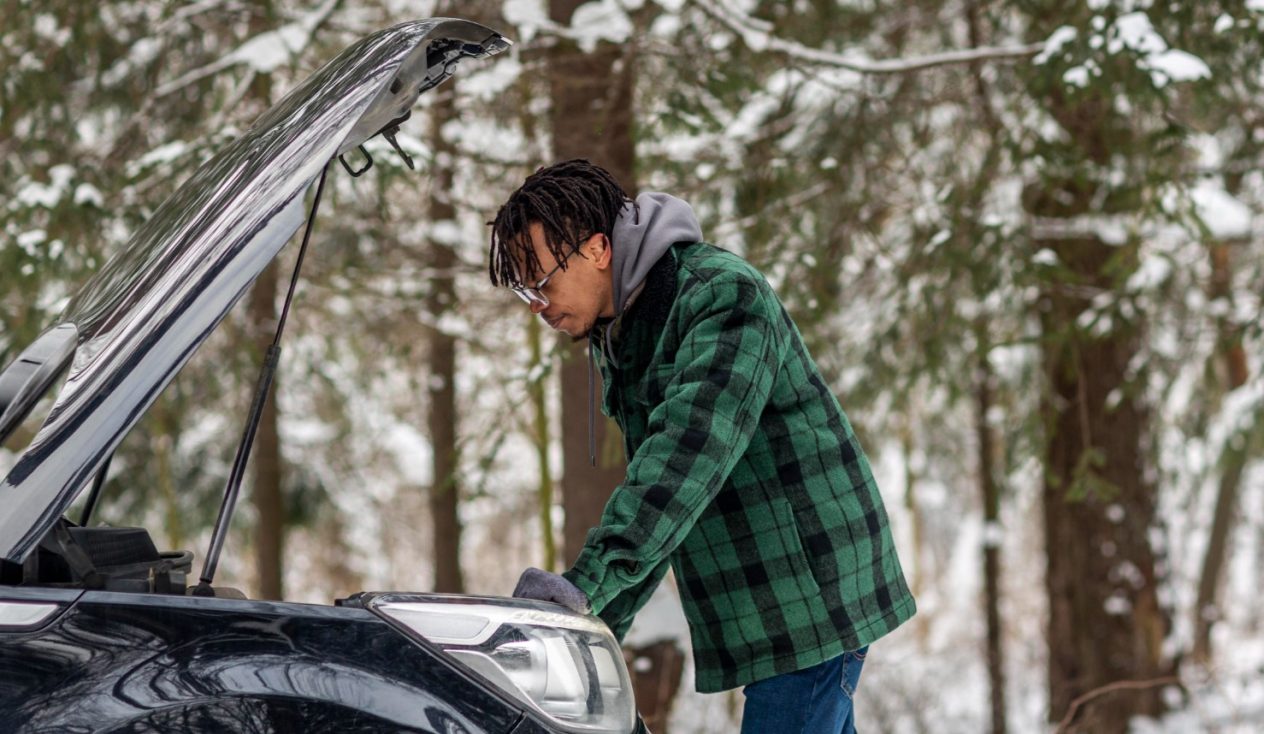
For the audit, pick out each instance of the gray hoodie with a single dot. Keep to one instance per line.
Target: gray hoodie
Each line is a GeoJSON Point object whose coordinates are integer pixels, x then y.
{"type": "Point", "coordinates": [641, 235]}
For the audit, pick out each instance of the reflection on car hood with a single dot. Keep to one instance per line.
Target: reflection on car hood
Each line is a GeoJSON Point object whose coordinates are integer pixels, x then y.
{"type": "Point", "coordinates": [141, 317]}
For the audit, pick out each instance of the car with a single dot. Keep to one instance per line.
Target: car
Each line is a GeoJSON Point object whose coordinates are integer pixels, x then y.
{"type": "Point", "coordinates": [102, 632]}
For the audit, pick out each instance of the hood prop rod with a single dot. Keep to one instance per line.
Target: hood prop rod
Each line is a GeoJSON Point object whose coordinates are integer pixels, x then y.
{"type": "Point", "coordinates": [266, 373]}
{"type": "Point", "coordinates": [97, 484]}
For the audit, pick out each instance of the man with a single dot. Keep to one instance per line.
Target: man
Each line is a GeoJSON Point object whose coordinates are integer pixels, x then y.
{"type": "Point", "coordinates": [744, 475]}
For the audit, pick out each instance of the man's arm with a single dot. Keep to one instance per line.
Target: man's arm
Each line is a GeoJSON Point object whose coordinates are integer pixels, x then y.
{"type": "Point", "coordinates": [619, 611]}
{"type": "Point", "coordinates": [725, 371]}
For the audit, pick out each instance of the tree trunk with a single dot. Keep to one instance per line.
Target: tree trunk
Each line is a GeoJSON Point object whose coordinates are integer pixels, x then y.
{"type": "Point", "coordinates": [655, 670]}
{"type": "Point", "coordinates": [266, 490]}
{"type": "Point", "coordinates": [542, 437]}
{"type": "Point", "coordinates": [916, 559]}
{"type": "Point", "coordinates": [442, 418]}
{"type": "Point", "coordinates": [991, 540]}
{"type": "Point", "coordinates": [266, 454]}
{"type": "Point", "coordinates": [1105, 621]}
{"type": "Point", "coordinates": [1232, 463]}
{"type": "Point", "coordinates": [591, 117]}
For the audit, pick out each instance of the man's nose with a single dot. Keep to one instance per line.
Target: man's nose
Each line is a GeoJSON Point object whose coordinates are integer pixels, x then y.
{"type": "Point", "coordinates": [537, 307]}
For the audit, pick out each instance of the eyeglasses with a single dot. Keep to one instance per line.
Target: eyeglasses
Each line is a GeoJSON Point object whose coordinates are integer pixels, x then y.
{"type": "Point", "coordinates": [534, 294]}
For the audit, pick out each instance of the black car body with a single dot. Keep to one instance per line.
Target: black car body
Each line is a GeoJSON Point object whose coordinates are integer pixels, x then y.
{"type": "Point", "coordinates": [100, 632]}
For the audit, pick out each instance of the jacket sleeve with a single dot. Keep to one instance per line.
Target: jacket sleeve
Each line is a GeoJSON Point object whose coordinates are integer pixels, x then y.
{"type": "Point", "coordinates": [723, 373]}
{"type": "Point", "coordinates": [619, 611]}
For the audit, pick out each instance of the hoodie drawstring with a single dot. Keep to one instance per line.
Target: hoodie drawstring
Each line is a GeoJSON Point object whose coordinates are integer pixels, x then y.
{"type": "Point", "coordinates": [592, 419]}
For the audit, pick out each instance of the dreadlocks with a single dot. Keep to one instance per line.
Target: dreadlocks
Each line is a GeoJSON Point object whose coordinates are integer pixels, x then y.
{"type": "Point", "coordinates": [572, 201]}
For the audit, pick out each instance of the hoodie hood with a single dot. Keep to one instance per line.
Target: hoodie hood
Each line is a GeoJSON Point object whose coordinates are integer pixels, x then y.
{"type": "Point", "coordinates": [642, 233]}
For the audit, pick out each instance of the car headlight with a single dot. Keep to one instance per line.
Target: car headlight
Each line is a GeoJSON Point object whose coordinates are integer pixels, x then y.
{"type": "Point", "coordinates": [565, 666]}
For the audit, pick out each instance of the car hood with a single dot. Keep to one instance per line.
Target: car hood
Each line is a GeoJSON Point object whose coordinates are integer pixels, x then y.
{"type": "Point", "coordinates": [127, 332]}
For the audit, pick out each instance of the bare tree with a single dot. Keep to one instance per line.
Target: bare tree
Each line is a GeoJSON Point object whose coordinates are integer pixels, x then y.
{"type": "Point", "coordinates": [1105, 620]}
{"type": "Point", "coordinates": [590, 117]}
{"type": "Point", "coordinates": [442, 410]}
{"type": "Point", "coordinates": [991, 496]}
{"type": "Point", "coordinates": [1233, 461]}
{"type": "Point", "coordinates": [268, 477]}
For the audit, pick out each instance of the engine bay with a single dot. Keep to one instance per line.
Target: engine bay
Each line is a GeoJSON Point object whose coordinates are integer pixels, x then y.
{"type": "Point", "coordinates": [102, 557]}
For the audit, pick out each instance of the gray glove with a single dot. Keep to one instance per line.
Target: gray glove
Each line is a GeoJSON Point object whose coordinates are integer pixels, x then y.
{"type": "Point", "coordinates": [545, 586]}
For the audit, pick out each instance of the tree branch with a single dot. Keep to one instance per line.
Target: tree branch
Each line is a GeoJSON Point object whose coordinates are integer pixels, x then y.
{"type": "Point", "coordinates": [1123, 685]}
{"type": "Point", "coordinates": [758, 37]}
{"type": "Point", "coordinates": [294, 37]}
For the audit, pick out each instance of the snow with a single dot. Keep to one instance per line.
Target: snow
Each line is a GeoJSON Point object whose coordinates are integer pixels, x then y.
{"type": "Point", "coordinates": [492, 79]}
{"type": "Point", "coordinates": [411, 451]}
{"type": "Point", "coordinates": [143, 52]}
{"type": "Point", "coordinates": [660, 619]}
{"type": "Point", "coordinates": [446, 232]}
{"type": "Point", "coordinates": [165, 153]}
{"type": "Point", "coordinates": [751, 117]}
{"type": "Point", "coordinates": [1225, 216]}
{"type": "Point", "coordinates": [1153, 270]}
{"type": "Point", "coordinates": [46, 27]}
{"type": "Point", "coordinates": [1045, 256]}
{"type": "Point", "coordinates": [1112, 230]}
{"type": "Point", "coordinates": [993, 535]}
{"type": "Point", "coordinates": [29, 241]}
{"type": "Point", "coordinates": [1134, 31]}
{"type": "Point", "coordinates": [303, 431]}
{"type": "Point", "coordinates": [1076, 76]}
{"type": "Point", "coordinates": [1117, 606]}
{"type": "Point", "coordinates": [1210, 155]}
{"type": "Point", "coordinates": [263, 53]}
{"type": "Point", "coordinates": [266, 51]}
{"type": "Point", "coordinates": [600, 20]}
{"type": "Point", "coordinates": [527, 15]}
{"type": "Point", "coordinates": [35, 194]}
{"type": "Point", "coordinates": [87, 194]}
{"type": "Point", "coordinates": [665, 26]}
{"type": "Point", "coordinates": [1054, 43]}
{"type": "Point", "coordinates": [1177, 66]}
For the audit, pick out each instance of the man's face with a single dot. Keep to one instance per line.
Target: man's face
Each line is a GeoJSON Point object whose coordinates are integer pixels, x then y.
{"type": "Point", "coordinates": [579, 294]}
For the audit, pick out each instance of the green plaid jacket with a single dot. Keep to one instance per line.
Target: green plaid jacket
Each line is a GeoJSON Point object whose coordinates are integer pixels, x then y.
{"type": "Point", "coordinates": [744, 475]}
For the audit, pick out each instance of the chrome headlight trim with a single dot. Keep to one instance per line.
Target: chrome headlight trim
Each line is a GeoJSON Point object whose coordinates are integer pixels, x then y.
{"type": "Point", "coordinates": [565, 667]}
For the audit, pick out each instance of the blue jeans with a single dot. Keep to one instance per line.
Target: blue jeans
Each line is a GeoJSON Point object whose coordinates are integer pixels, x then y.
{"type": "Point", "coordinates": [816, 700]}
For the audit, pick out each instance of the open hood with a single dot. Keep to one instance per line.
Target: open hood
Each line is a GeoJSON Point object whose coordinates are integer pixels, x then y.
{"type": "Point", "coordinates": [139, 319]}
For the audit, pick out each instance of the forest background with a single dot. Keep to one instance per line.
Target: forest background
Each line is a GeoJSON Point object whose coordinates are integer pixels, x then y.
{"type": "Point", "coordinates": [1021, 237]}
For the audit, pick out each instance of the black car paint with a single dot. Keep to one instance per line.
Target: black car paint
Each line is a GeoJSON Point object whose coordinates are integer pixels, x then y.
{"type": "Point", "coordinates": [112, 661]}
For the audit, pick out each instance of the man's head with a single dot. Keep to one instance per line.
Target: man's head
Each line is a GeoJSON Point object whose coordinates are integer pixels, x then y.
{"type": "Point", "coordinates": [556, 227]}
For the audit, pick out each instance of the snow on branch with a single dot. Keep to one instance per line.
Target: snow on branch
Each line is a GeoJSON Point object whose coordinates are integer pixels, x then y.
{"type": "Point", "coordinates": [263, 53]}
{"type": "Point", "coordinates": [758, 37]}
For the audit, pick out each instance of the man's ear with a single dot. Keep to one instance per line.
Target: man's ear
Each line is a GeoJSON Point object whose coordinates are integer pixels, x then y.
{"type": "Point", "coordinates": [599, 249]}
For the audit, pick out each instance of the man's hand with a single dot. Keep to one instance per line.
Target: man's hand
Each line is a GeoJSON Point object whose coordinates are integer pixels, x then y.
{"type": "Point", "coordinates": [545, 586]}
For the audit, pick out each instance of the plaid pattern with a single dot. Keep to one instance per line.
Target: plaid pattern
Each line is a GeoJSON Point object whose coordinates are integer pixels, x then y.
{"type": "Point", "coordinates": [745, 476]}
